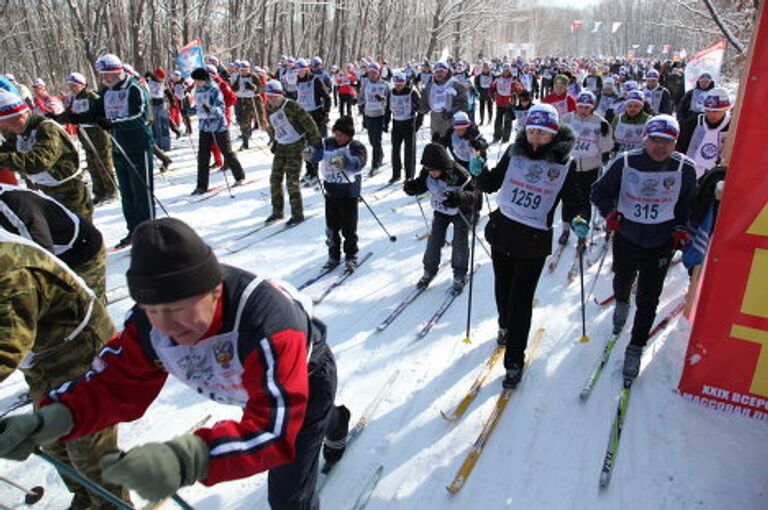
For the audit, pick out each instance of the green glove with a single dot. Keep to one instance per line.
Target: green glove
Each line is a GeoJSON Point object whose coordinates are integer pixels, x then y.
{"type": "Point", "coordinates": [157, 470]}
{"type": "Point", "coordinates": [20, 435]}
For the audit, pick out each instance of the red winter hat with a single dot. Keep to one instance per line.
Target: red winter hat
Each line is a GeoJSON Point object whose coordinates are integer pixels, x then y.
{"type": "Point", "coordinates": [159, 73]}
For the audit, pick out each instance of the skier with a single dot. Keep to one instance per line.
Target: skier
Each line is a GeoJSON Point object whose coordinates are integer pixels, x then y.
{"type": "Point", "coordinates": [80, 101]}
{"type": "Point", "coordinates": [404, 107]}
{"type": "Point", "coordinates": [534, 174]}
{"type": "Point", "coordinates": [122, 110]}
{"type": "Point", "coordinates": [465, 141]}
{"type": "Point", "coordinates": [51, 327]}
{"type": "Point", "coordinates": [483, 82]}
{"type": "Point", "coordinates": [230, 100]}
{"type": "Point", "coordinates": [46, 104]}
{"type": "Point", "coordinates": [179, 111]}
{"type": "Point", "coordinates": [454, 201]}
{"type": "Point", "coordinates": [504, 90]}
{"type": "Point", "coordinates": [692, 102]}
{"type": "Point", "coordinates": [316, 66]}
{"type": "Point", "coordinates": [645, 197]}
{"type": "Point", "coordinates": [247, 88]}
{"type": "Point", "coordinates": [313, 96]}
{"type": "Point", "coordinates": [210, 106]}
{"type": "Point", "coordinates": [607, 100]}
{"type": "Point", "coordinates": [342, 160]}
{"type": "Point", "coordinates": [372, 104]}
{"type": "Point", "coordinates": [657, 96]}
{"type": "Point", "coordinates": [629, 127]}
{"type": "Point", "coordinates": [702, 137]}
{"type": "Point", "coordinates": [255, 344]}
{"type": "Point", "coordinates": [425, 75]}
{"type": "Point", "coordinates": [161, 133]}
{"type": "Point", "coordinates": [68, 236]}
{"type": "Point", "coordinates": [39, 149]}
{"type": "Point", "coordinates": [442, 97]}
{"type": "Point", "coordinates": [559, 97]}
{"type": "Point", "coordinates": [291, 128]}
{"type": "Point", "coordinates": [593, 81]}
{"type": "Point", "coordinates": [347, 91]}
{"type": "Point", "coordinates": [594, 142]}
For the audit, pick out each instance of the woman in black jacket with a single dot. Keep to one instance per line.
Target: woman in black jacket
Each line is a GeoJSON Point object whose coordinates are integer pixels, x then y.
{"type": "Point", "coordinates": [534, 174]}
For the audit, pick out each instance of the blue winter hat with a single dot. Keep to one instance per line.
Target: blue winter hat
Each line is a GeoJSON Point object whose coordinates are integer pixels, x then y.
{"type": "Point", "coordinates": [274, 88]}
{"type": "Point", "coordinates": [653, 74]}
{"type": "Point", "coordinates": [543, 116]}
{"type": "Point", "coordinates": [635, 95]}
{"type": "Point", "coordinates": [662, 126]}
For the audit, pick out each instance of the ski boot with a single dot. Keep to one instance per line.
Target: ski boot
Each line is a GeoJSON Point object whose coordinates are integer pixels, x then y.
{"type": "Point", "coordinates": [425, 280]}
{"type": "Point", "coordinates": [563, 239]}
{"type": "Point", "coordinates": [632, 362]}
{"type": "Point", "coordinates": [335, 441]}
{"type": "Point", "coordinates": [620, 314]}
{"type": "Point", "coordinates": [513, 376]}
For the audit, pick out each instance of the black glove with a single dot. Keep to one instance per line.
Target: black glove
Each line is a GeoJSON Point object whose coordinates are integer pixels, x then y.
{"type": "Point", "coordinates": [249, 86]}
{"type": "Point", "coordinates": [104, 123]}
{"type": "Point", "coordinates": [604, 128]}
{"type": "Point", "coordinates": [272, 147]}
{"type": "Point", "coordinates": [452, 199]}
{"type": "Point", "coordinates": [206, 108]}
{"type": "Point", "coordinates": [325, 119]}
{"type": "Point", "coordinates": [410, 187]}
{"type": "Point", "coordinates": [361, 110]}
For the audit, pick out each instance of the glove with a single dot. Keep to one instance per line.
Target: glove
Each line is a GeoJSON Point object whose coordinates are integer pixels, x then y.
{"type": "Point", "coordinates": [157, 470]}
{"type": "Point", "coordinates": [326, 118]}
{"type": "Point", "coordinates": [476, 165]}
{"type": "Point", "coordinates": [452, 199]}
{"type": "Point", "coordinates": [410, 188]}
{"type": "Point", "coordinates": [613, 221]}
{"type": "Point", "coordinates": [338, 162]}
{"type": "Point", "coordinates": [249, 86]}
{"type": "Point", "coordinates": [309, 153]}
{"type": "Point", "coordinates": [104, 123]}
{"type": "Point", "coordinates": [447, 115]}
{"type": "Point", "coordinates": [206, 108]}
{"type": "Point", "coordinates": [580, 227]}
{"type": "Point", "coordinates": [21, 435]}
{"type": "Point", "coordinates": [680, 238]}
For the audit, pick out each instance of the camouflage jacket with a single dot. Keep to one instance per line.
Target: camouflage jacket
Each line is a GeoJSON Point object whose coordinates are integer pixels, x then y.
{"type": "Point", "coordinates": [301, 121]}
{"type": "Point", "coordinates": [51, 325]}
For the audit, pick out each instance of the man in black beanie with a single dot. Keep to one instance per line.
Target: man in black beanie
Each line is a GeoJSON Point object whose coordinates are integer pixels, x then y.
{"type": "Point", "coordinates": [454, 201]}
{"type": "Point", "coordinates": [236, 337]}
{"type": "Point", "coordinates": [342, 161]}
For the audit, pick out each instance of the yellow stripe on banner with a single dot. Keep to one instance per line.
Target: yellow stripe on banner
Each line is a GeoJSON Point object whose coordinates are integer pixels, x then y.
{"type": "Point", "coordinates": [759, 384]}
{"type": "Point", "coordinates": [760, 226]}
{"type": "Point", "coordinates": [756, 293]}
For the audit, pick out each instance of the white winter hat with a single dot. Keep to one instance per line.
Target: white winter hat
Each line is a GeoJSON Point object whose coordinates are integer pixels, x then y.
{"type": "Point", "coordinates": [274, 88]}
{"type": "Point", "coordinates": [11, 105]}
{"type": "Point", "coordinates": [11, 77]}
{"type": "Point", "coordinates": [461, 119]}
{"type": "Point", "coordinates": [586, 98]}
{"type": "Point", "coordinates": [662, 126]}
{"type": "Point", "coordinates": [543, 116]}
{"type": "Point", "coordinates": [38, 83]}
{"type": "Point", "coordinates": [109, 64]}
{"type": "Point", "coordinates": [77, 79]}
{"type": "Point", "coordinates": [717, 99]}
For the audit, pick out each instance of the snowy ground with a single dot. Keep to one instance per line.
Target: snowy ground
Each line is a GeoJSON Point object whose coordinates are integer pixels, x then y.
{"type": "Point", "coordinates": [548, 448]}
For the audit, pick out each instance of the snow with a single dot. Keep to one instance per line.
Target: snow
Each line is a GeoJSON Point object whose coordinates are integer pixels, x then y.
{"type": "Point", "coordinates": [547, 450]}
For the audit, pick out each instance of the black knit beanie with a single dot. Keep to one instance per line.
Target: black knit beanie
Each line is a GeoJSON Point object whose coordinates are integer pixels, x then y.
{"type": "Point", "coordinates": [170, 262]}
{"type": "Point", "coordinates": [345, 125]}
{"type": "Point", "coordinates": [436, 156]}
{"type": "Point", "coordinates": [200, 74]}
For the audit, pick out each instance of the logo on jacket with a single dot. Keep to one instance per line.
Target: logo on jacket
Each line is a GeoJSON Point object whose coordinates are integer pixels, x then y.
{"type": "Point", "coordinates": [553, 173]}
{"type": "Point", "coordinates": [195, 367]}
{"type": "Point", "coordinates": [223, 352]}
{"type": "Point", "coordinates": [709, 151]}
{"type": "Point", "coordinates": [534, 173]}
{"type": "Point", "coordinates": [668, 182]}
{"type": "Point", "coordinates": [649, 187]}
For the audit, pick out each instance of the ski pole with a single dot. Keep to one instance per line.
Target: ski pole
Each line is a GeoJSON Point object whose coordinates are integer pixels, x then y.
{"type": "Point", "coordinates": [138, 174]}
{"type": "Point", "coordinates": [31, 496]}
{"type": "Point", "coordinates": [92, 148]}
{"type": "Point", "coordinates": [426, 222]}
{"type": "Point", "coordinates": [362, 199]}
{"type": "Point", "coordinates": [94, 487]}
{"type": "Point", "coordinates": [467, 339]}
{"type": "Point", "coordinates": [602, 260]}
{"type": "Point", "coordinates": [482, 244]}
{"type": "Point", "coordinates": [224, 171]}
{"type": "Point", "coordinates": [584, 338]}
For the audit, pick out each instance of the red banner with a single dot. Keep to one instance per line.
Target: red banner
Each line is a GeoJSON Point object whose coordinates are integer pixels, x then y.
{"type": "Point", "coordinates": [726, 366]}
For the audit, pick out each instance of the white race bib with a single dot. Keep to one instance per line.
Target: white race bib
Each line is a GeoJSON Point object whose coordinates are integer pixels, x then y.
{"type": "Point", "coordinates": [530, 190]}
{"type": "Point", "coordinates": [649, 197]}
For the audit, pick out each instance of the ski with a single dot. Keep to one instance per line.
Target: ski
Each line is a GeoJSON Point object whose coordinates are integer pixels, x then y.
{"type": "Point", "coordinates": [341, 279]}
{"type": "Point", "coordinates": [490, 424]}
{"type": "Point", "coordinates": [116, 294]}
{"type": "Point", "coordinates": [410, 298]}
{"type": "Point", "coordinates": [317, 277]}
{"type": "Point", "coordinates": [477, 385]}
{"type": "Point", "coordinates": [360, 424]}
{"type": "Point", "coordinates": [199, 423]}
{"type": "Point", "coordinates": [447, 302]}
{"type": "Point", "coordinates": [237, 246]}
{"type": "Point", "coordinates": [610, 299]}
{"type": "Point", "coordinates": [615, 435]}
{"type": "Point", "coordinates": [554, 259]}
{"type": "Point", "coordinates": [22, 400]}
{"type": "Point", "coordinates": [591, 381]}
{"type": "Point", "coordinates": [203, 196]}
{"type": "Point", "coordinates": [664, 322]}
{"type": "Point", "coordinates": [423, 235]}
{"type": "Point", "coordinates": [368, 488]}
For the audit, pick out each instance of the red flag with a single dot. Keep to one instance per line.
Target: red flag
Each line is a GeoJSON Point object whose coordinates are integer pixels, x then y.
{"type": "Point", "coordinates": [665, 49]}
{"type": "Point", "coordinates": [576, 24]}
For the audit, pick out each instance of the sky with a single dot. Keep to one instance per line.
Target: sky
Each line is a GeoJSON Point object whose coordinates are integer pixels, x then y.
{"type": "Point", "coordinates": [577, 4]}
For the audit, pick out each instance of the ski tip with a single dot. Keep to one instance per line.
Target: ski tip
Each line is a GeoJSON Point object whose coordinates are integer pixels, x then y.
{"type": "Point", "coordinates": [448, 417]}
{"type": "Point", "coordinates": [604, 479]}
{"type": "Point", "coordinates": [584, 395]}
{"type": "Point", "coordinates": [584, 339]}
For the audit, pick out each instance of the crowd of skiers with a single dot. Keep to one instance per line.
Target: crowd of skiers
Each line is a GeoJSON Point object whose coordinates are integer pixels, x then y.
{"type": "Point", "coordinates": [585, 133]}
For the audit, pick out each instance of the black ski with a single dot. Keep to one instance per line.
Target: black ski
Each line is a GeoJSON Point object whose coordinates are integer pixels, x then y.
{"type": "Point", "coordinates": [341, 279]}
{"type": "Point", "coordinates": [319, 276]}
